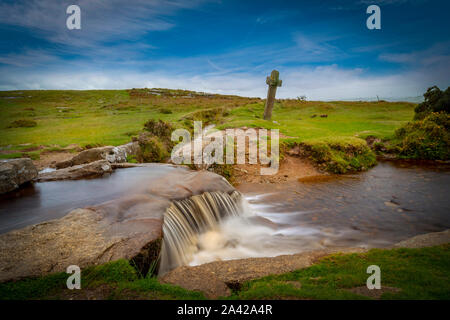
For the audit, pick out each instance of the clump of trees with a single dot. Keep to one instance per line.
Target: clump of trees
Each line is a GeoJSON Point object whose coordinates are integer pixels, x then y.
{"type": "Point", "coordinates": [435, 101]}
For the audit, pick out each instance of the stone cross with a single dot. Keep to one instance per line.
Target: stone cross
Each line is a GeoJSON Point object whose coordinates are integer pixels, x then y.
{"type": "Point", "coordinates": [273, 81]}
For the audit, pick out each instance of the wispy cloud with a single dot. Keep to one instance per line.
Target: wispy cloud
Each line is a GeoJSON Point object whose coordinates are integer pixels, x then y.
{"type": "Point", "coordinates": [101, 20]}
{"type": "Point", "coordinates": [438, 54]}
{"type": "Point", "coordinates": [317, 48]}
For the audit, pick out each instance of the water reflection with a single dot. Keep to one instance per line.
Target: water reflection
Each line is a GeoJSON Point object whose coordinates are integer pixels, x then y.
{"type": "Point", "coordinates": [50, 200]}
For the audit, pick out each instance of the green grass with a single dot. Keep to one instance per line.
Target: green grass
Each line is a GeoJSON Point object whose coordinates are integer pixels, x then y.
{"type": "Point", "coordinates": [339, 154]}
{"type": "Point", "coordinates": [294, 118]}
{"type": "Point", "coordinates": [105, 117]}
{"type": "Point", "coordinates": [108, 117]}
{"type": "Point", "coordinates": [119, 278]}
{"type": "Point", "coordinates": [418, 273]}
{"type": "Point", "coordinates": [113, 117]}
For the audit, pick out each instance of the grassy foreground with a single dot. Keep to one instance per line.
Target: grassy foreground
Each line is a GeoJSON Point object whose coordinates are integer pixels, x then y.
{"type": "Point", "coordinates": [414, 273]}
{"type": "Point", "coordinates": [48, 120]}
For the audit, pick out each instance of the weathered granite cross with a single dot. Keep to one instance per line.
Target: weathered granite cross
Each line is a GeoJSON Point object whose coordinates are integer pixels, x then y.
{"type": "Point", "coordinates": [273, 81]}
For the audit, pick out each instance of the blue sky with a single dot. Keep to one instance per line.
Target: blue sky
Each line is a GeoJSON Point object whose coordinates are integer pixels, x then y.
{"type": "Point", "coordinates": [322, 49]}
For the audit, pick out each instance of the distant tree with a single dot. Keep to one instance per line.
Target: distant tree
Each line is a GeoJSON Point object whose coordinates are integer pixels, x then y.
{"type": "Point", "coordinates": [435, 101]}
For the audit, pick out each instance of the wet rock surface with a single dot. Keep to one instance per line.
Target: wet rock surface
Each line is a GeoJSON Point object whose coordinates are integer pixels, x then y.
{"type": "Point", "coordinates": [15, 172]}
{"type": "Point", "coordinates": [129, 227]}
{"type": "Point", "coordinates": [93, 169]}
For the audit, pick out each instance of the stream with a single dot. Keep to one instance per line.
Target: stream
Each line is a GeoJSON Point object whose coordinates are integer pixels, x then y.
{"type": "Point", "coordinates": [389, 203]}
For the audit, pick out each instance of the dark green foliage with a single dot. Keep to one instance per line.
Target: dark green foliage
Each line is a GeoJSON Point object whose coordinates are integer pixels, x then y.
{"type": "Point", "coordinates": [110, 272]}
{"type": "Point", "coordinates": [165, 111]}
{"type": "Point", "coordinates": [118, 277]}
{"type": "Point", "coordinates": [152, 149]}
{"type": "Point", "coordinates": [155, 142]}
{"type": "Point", "coordinates": [435, 101]}
{"type": "Point", "coordinates": [33, 288]}
{"type": "Point", "coordinates": [161, 129]}
{"type": "Point", "coordinates": [427, 139]}
{"type": "Point", "coordinates": [23, 123]}
{"type": "Point", "coordinates": [132, 159]}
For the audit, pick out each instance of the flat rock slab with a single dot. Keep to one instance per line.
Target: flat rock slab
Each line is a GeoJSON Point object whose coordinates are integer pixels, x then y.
{"type": "Point", "coordinates": [93, 169]}
{"type": "Point", "coordinates": [109, 153]}
{"type": "Point", "coordinates": [425, 240]}
{"type": "Point", "coordinates": [215, 279]}
{"type": "Point", "coordinates": [15, 172]}
{"type": "Point", "coordinates": [129, 227]}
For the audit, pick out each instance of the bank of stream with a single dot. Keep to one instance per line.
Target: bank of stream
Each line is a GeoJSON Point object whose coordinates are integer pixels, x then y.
{"type": "Point", "coordinates": [391, 202]}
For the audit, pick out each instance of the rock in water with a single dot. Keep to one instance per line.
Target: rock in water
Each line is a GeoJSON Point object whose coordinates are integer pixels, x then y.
{"type": "Point", "coordinates": [15, 172]}
{"type": "Point", "coordinates": [96, 168]}
{"type": "Point", "coordinates": [129, 228]}
{"type": "Point", "coordinates": [112, 154]}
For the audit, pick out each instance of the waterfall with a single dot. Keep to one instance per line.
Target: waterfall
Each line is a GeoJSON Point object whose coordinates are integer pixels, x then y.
{"type": "Point", "coordinates": [186, 219]}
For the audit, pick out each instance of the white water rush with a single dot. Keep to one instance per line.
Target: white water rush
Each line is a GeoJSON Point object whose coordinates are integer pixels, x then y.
{"type": "Point", "coordinates": [218, 226]}
{"type": "Point", "coordinates": [185, 220]}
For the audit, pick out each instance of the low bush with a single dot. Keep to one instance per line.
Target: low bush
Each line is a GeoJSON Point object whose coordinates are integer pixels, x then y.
{"type": "Point", "coordinates": [340, 154]}
{"type": "Point", "coordinates": [23, 123]}
{"type": "Point", "coordinates": [427, 139]}
{"type": "Point", "coordinates": [161, 129]}
{"type": "Point", "coordinates": [152, 149]}
{"type": "Point", "coordinates": [165, 111]}
{"type": "Point", "coordinates": [207, 116]}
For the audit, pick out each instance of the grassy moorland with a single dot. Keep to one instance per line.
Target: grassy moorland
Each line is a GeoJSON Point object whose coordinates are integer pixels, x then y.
{"type": "Point", "coordinates": [412, 273]}
{"type": "Point", "coordinates": [54, 119]}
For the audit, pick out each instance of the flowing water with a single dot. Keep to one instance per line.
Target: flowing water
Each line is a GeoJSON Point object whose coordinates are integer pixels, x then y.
{"type": "Point", "coordinates": [185, 220]}
{"type": "Point", "coordinates": [389, 203]}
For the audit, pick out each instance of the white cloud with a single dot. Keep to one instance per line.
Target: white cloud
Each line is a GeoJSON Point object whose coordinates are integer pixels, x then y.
{"type": "Point", "coordinates": [317, 83]}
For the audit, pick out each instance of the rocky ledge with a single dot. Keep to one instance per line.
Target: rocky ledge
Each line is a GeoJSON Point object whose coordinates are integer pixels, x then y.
{"type": "Point", "coordinates": [93, 169]}
{"type": "Point", "coordinates": [129, 228]}
{"type": "Point", "coordinates": [90, 163]}
{"type": "Point", "coordinates": [16, 172]}
{"type": "Point", "coordinates": [109, 153]}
